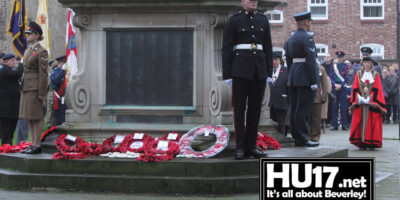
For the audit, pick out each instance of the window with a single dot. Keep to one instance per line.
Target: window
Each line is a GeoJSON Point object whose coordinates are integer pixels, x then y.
{"type": "Point", "coordinates": [378, 50]}
{"type": "Point", "coordinates": [319, 9]}
{"type": "Point", "coordinates": [322, 50]}
{"type": "Point", "coordinates": [274, 16]}
{"type": "Point", "coordinates": [372, 9]}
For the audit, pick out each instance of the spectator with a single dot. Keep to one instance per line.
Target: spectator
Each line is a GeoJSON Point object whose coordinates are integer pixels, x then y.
{"type": "Point", "coordinates": [10, 92]}
{"type": "Point", "coordinates": [391, 85]}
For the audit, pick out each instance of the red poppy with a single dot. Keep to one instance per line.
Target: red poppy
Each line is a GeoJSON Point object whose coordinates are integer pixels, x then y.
{"type": "Point", "coordinates": [34, 54]}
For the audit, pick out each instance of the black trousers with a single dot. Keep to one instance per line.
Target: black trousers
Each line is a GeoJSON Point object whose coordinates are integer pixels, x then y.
{"type": "Point", "coordinates": [7, 128]}
{"type": "Point", "coordinates": [250, 93]}
{"type": "Point", "coordinates": [301, 102]}
{"type": "Point", "coordinates": [279, 116]}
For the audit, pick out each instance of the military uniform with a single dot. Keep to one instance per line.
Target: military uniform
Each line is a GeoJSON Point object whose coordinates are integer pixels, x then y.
{"type": "Point", "coordinates": [50, 117]}
{"type": "Point", "coordinates": [321, 96]}
{"type": "Point", "coordinates": [247, 59]}
{"type": "Point", "coordinates": [340, 77]}
{"type": "Point", "coordinates": [303, 74]}
{"type": "Point", "coordinates": [57, 78]}
{"type": "Point", "coordinates": [34, 82]}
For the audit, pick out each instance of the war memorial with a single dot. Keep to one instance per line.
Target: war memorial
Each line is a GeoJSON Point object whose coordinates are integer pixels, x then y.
{"type": "Point", "coordinates": [153, 67]}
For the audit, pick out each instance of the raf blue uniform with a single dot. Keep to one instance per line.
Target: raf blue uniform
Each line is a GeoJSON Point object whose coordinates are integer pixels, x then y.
{"type": "Point", "coordinates": [303, 73]}
{"type": "Point", "coordinates": [247, 60]}
{"type": "Point", "coordinates": [57, 77]}
{"type": "Point", "coordinates": [341, 95]}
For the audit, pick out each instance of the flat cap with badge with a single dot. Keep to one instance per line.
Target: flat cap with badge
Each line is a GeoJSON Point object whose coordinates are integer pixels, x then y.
{"type": "Point", "coordinates": [340, 54]}
{"type": "Point", "coordinates": [365, 51]}
{"type": "Point", "coordinates": [303, 16]}
{"type": "Point", "coordinates": [33, 27]}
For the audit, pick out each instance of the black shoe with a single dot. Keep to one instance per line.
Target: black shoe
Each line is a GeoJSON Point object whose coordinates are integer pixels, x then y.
{"type": "Point", "coordinates": [310, 143]}
{"type": "Point", "coordinates": [254, 153]}
{"type": "Point", "coordinates": [334, 129]}
{"type": "Point", "coordinates": [240, 154]}
{"type": "Point", "coordinates": [344, 129]}
{"type": "Point", "coordinates": [34, 150]}
{"type": "Point", "coordinates": [25, 150]}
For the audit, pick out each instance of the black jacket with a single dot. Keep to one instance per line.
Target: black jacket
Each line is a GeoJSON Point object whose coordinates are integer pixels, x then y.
{"type": "Point", "coordinates": [10, 91]}
{"type": "Point", "coordinates": [247, 28]}
{"type": "Point", "coordinates": [279, 91]}
{"type": "Point", "coordinates": [301, 45]}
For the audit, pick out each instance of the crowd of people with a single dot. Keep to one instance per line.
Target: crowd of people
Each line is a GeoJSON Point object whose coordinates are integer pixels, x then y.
{"type": "Point", "coordinates": [24, 85]}
{"type": "Point", "coordinates": [306, 96]}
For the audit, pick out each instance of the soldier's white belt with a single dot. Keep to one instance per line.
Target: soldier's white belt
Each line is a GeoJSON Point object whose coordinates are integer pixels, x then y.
{"type": "Point", "coordinates": [248, 47]}
{"type": "Point", "coordinates": [299, 60]}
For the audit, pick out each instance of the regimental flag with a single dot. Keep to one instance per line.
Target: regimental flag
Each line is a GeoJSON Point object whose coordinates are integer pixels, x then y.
{"type": "Point", "coordinates": [42, 20]}
{"type": "Point", "coordinates": [70, 43]}
{"type": "Point", "coordinates": [17, 25]}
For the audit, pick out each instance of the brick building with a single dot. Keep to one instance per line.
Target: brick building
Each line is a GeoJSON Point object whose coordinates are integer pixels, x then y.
{"type": "Point", "coordinates": [342, 25]}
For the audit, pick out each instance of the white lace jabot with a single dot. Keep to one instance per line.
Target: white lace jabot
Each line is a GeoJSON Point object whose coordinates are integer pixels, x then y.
{"type": "Point", "coordinates": [367, 76]}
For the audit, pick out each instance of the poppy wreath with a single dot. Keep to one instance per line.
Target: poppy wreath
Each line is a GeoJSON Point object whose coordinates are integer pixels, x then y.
{"type": "Point", "coordinates": [64, 145]}
{"type": "Point", "coordinates": [108, 145]}
{"type": "Point", "coordinates": [173, 147]}
{"type": "Point", "coordinates": [165, 137]}
{"type": "Point", "coordinates": [68, 156]}
{"type": "Point", "coordinates": [221, 133]}
{"type": "Point", "coordinates": [6, 148]}
{"type": "Point", "coordinates": [264, 142]}
{"type": "Point", "coordinates": [125, 146]}
{"type": "Point", "coordinates": [93, 149]}
{"type": "Point", "coordinates": [152, 154]}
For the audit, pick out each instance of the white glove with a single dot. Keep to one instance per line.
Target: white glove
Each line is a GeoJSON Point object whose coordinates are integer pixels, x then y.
{"type": "Point", "coordinates": [64, 67]}
{"type": "Point", "coordinates": [229, 81]}
{"type": "Point", "coordinates": [367, 100]}
{"type": "Point", "coordinates": [314, 87]}
{"type": "Point", "coordinates": [269, 80]}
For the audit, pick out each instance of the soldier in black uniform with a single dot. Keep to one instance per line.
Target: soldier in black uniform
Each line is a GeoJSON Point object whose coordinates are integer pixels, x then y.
{"type": "Point", "coordinates": [247, 59]}
{"type": "Point", "coordinates": [303, 78]}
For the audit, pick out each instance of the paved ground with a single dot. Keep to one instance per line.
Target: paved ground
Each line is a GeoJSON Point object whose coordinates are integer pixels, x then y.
{"type": "Point", "coordinates": [387, 174]}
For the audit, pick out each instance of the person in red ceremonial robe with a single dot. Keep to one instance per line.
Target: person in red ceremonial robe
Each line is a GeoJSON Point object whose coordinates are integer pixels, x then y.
{"type": "Point", "coordinates": [367, 104]}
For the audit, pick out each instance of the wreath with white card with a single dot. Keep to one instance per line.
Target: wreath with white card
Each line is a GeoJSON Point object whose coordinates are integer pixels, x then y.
{"type": "Point", "coordinates": [68, 143]}
{"type": "Point", "coordinates": [112, 144]}
{"type": "Point", "coordinates": [222, 139]}
{"type": "Point", "coordinates": [135, 142]}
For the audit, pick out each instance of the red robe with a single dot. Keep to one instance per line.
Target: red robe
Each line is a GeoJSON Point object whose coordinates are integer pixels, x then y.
{"type": "Point", "coordinates": [373, 131]}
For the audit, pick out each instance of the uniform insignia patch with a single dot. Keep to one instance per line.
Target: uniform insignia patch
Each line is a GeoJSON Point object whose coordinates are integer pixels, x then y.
{"type": "Point", "coordinates": [312, 50]}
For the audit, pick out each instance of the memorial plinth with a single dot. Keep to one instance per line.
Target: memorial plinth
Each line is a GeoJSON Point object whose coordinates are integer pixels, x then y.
{"type": "Point", "coordinates": [152, 66]}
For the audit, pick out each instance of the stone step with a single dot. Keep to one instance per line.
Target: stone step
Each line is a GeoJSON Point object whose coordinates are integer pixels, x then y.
{"type": "Point", "coordinates": [15, 180]}
{"type": "Point", "coordinates": [179, 176]}
{"type": "Point", "coordinates": [179, 167]}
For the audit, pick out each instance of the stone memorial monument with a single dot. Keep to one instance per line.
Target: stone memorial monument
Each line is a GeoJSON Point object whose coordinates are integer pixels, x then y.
{"type": "Point", "coordinates": [152, 66]}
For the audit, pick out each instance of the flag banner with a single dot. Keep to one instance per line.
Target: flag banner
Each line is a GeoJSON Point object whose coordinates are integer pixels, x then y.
{"type": "Point", "coordinates": [70, 43]}
{"type": "Point", "coordinates": [317, 178]}
{"type": "Point", "coordinates": [42, 20]}
{"type": "Point", "coordinates": [18, 23]}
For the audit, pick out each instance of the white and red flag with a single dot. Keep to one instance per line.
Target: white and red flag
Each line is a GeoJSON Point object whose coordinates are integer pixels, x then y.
{"type": "Point", "coordinates": [70, 43]}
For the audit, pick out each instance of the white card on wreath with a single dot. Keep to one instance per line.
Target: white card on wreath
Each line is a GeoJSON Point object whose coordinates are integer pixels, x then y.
{"type": "Point", "coordinates": [118, 139]}
{"type": "Point", "coordinates": [163, 145]}
{"type": "Point", "coordinates": [71, 138]}
{"type": "Point", "coordinates": [138, 136]}
{"type": "Point", "coordinates": [206, 133]}
{"type": "Point", "coordinates": [172, 136]}
{"type": "Point", "coordinates": [136, 145]}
